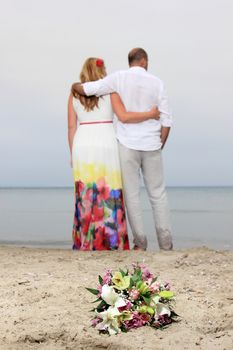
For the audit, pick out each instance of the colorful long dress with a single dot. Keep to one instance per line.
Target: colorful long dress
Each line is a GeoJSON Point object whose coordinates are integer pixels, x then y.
{"type": "Point", "coordinates": [99, 219]}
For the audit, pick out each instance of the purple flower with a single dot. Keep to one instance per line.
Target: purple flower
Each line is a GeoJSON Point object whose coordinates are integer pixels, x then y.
{"type": "Point", "coordinates": [137, 321]}
{"type": "Point", "coordinates": [126, 307]}
{"type": "Point", "coordinates": [146, 274]}
{"type": "Point", "coordinates": [164, 320]}
{"type": "Point", "coordinates": [95, 321]}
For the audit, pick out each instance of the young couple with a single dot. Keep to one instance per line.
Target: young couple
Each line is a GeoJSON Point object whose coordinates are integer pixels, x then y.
{"type": "Point", "coordinates": [105, 163]}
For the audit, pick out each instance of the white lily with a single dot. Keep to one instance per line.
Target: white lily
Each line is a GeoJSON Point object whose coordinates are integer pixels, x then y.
{"type": "Point", "coordinates": [112, 298]}
{"type": "Point", "coordinates": [109, 320]}
{"type": "Point", "coordinates": [162, 309]}
{"type": "Point", "coordinates": [155, 299]}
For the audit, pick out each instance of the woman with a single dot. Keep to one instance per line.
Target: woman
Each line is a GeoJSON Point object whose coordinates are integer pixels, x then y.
{"type": "Point", "coordinates": [99, 219]}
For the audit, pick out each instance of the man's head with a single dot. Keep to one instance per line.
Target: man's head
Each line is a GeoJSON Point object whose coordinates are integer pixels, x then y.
{"type": "Point", "coordinates": [138, 57]}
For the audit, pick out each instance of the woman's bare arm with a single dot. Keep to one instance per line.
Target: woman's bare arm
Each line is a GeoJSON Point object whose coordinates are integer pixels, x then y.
{"type": "Point", "coordinates": [131, 117]}
{"type": "Point", "coordinates": [72, 122]}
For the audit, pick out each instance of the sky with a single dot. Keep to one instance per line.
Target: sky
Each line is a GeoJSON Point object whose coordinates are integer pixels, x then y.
{"type": "Point", "coordinates": [44, 44]}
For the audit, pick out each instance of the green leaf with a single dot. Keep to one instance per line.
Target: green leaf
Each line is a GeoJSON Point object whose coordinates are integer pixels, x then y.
{"type": "Point", "coordinates": [122, 272]}
{"type": "Point", "coordinates": [174, 314]}
{"type": "Point", "coordinates": [156, 298]}
{"type": "Point", "coordinates": [100, 280]}
{"type": "Point", "coordinates": [166, 294]}
{"type": "Point", "coordinates": [146, 299]}
{"type": "Point", "coordinates": [138, 272]}
{"type": "Point", "coordinates": [93, 291]}
{"type": "Point", "coordinates": [123, 329]}
{"type": "Point", "coordinates": [134, 278]}
{"type": "Point", "coordinates": [137, 276]}
{"type": "Point", "coordinates": [131, 283]}
{"type": "Point", "coordinates": [95, 301]}
{"type": "Point", "coordinates": [100, 306]}
{"type": "Point", "coordinates": [138, 284]}
{"type": "Point", "coordinates": [154, 279]}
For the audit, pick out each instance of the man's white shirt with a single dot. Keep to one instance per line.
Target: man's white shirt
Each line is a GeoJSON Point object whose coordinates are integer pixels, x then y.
{"type": "Point", "coordinates": [139, 91]}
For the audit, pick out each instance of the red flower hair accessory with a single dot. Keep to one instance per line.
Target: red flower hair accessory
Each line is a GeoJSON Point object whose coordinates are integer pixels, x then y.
{"type": "Point", "coordinates": [99, 62]}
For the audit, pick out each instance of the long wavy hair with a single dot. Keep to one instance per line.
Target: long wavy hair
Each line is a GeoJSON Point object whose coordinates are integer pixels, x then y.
{"type": "Point", "coordinates": [93, 69]}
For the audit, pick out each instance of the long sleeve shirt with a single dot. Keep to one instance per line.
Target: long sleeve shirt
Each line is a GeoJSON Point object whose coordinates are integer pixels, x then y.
{"type": "Point", "coordinates": [139, 91]}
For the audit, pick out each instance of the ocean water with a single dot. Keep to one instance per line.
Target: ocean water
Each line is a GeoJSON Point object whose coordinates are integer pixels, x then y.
{"type": "Point", "coordinates": [42, 217]}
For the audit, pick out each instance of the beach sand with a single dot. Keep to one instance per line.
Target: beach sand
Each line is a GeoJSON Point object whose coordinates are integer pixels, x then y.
{"type": "Point", "coordinates": [44, 303]}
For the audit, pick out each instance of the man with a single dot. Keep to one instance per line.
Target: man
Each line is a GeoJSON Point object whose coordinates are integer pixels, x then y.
{"type": "Point", "coordinates": [140, 144]}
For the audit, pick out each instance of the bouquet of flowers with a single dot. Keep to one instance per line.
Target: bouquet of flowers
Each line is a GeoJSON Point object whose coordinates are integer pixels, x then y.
{"type": "Point", "coordinates": [130, 300]}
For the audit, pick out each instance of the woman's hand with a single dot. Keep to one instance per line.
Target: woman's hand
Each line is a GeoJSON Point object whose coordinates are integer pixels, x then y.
{"type": "Point", "coordinates": [155, 113]}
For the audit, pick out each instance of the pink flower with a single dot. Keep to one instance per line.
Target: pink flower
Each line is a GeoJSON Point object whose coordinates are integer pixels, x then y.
{"type": "Point", "coordinates": [99, 288]}
{"type": "Point", "coordinates": [155, 287]}
{"type": "Point", "coordinates": [167, 285]}
{"type": "Point", "coordinates": [107, 277]}
{"type": "Point", "coordinates": [134, 293]}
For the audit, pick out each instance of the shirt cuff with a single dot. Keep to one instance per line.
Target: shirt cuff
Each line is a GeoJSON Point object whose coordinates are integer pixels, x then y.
{"type": "Point", "coordinates": [87, 89]}
{"type": "Point", "coordinates": [166, 121]}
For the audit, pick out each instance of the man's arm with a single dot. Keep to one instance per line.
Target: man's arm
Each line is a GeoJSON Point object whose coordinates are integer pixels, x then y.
{"type": "Point", "coordinates": [164, 108]}
{"type": "Point", "coordinates": [165, 116]}
{"type": "Point", "coordinates": [164, 135]}
{"type": "Point", "coordinates": [99, 87]}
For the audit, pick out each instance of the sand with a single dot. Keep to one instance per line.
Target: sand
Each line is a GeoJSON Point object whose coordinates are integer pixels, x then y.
{"type": "Point", "coordinates": [44, 303]}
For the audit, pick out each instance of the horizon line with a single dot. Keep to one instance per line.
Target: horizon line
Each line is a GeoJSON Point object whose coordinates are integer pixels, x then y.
{"type": "Point", "coordinates": [70, 187]}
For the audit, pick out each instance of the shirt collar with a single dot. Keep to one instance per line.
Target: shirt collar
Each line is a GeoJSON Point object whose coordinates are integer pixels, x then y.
{"type": "Point", "coordinates": [138, 68]}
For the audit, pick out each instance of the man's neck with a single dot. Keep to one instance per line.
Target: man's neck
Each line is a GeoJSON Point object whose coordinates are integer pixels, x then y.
{"type": "Point", "coordinates": [138, 65]}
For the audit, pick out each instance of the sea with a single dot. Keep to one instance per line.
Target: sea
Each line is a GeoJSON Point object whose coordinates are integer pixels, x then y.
{"type": "Point", "coordinates": [42, 217]}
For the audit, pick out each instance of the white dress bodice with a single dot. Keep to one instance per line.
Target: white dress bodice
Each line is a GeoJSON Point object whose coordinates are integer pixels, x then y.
{"type": "Point", "coordinates": [103, 113]}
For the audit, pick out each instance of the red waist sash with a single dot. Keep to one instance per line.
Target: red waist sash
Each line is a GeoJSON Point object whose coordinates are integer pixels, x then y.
{"type": "Point", "coordinates": [99, 122]}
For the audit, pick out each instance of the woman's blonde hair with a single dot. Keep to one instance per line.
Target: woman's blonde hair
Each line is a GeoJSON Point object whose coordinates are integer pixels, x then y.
{"type": "Point", "coordinates": [93, 69]}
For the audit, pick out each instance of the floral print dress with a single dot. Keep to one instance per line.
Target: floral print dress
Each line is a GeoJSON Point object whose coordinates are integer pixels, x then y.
{"type": "Point", "coordinates": [99, 218]}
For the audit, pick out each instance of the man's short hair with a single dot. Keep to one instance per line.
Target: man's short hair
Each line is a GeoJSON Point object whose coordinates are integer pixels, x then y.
{"type": "Point", "coordinates": [135, 55]}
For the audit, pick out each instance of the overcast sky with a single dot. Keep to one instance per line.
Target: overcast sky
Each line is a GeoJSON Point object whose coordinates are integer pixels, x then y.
{"type": "Point", "coordinates": [44, 44]}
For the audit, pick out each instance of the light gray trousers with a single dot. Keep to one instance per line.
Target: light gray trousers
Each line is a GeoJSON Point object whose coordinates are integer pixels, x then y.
{"type": "Point", "coordinates": [150, 163]}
